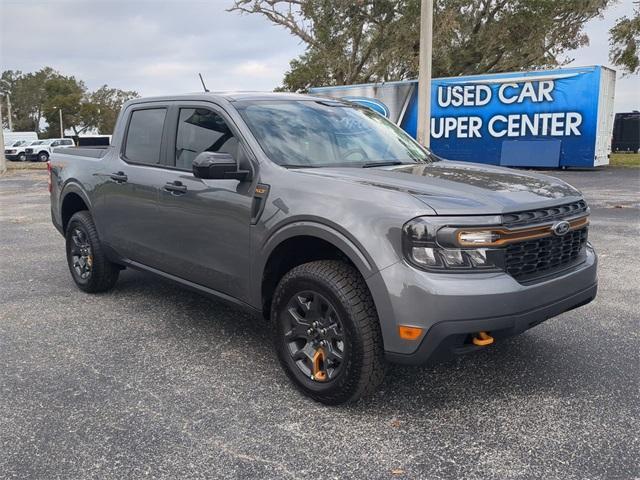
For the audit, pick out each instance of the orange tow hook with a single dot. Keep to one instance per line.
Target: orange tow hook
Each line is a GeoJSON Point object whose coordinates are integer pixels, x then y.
{"type": "Point", "coordinates": [483, 339]}
{"type": "Point", "coordinates": [318, 363]}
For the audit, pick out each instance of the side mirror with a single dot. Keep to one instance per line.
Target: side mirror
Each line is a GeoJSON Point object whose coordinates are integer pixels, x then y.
{"type": "Point", "coordinates": [218, 166]}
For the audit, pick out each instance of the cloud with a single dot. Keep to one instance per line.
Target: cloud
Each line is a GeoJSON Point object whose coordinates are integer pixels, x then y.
{"type": "Point", "coordinates": [158, 47]}
{"type": "Point", "coordinates": [151, 47]}
{"type": "Point", "coordinates": [597, 53]}
{"type": "Point", "coordinates": [254, 68]}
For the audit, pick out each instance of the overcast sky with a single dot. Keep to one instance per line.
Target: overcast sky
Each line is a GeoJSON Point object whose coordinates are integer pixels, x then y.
{"type": "Point", "coordinates": [158, 46]}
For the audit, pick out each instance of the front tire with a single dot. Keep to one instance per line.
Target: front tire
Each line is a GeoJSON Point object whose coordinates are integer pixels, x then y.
{"type": "Point", "coordinates": [22, 157]}
{"type": "Point", "coordinates": [90, 269]}
{"type": "Point", "coordinates": [43, 157]}
{"type": "Point", "coordinates": [326, 332]}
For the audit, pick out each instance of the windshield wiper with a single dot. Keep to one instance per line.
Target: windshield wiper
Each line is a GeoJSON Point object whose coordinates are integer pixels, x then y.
{"type": "Point", "coordinates": [383, 164]}
{"type": "Point", "coordinates": [293, 165]}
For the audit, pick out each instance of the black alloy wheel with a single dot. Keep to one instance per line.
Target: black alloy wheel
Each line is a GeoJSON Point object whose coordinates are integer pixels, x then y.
{"type": "Point", "coordinates": [326, 332]}
{"type": "Point", "coordinates": [90, 268]}
{"type": "Point", "coordinates": [81, 254]}
{"type": "Point", "coordinates": [314, 336]}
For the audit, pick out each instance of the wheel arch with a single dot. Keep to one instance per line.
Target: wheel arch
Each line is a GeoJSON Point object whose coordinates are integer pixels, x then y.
{"type": "Point", "coordinates": [299, 243]}
{"type": "Point", "coordinates": [74, 200]}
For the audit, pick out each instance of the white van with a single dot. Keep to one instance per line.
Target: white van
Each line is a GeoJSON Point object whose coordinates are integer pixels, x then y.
{"type": "Point", "coordinates": [12, 137]}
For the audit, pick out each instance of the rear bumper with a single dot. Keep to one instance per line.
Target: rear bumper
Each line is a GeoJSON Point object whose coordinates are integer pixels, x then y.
{"type": "Point", "coordinates": [449, 338]}
{"type": "Point", "coordinates": [449, 308]}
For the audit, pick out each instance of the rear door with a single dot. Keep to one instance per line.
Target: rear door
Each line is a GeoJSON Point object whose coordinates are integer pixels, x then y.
{"type": "Point", "coordinates": [130, 220]}
{"type": "Point", "coordinates": [207, 240]}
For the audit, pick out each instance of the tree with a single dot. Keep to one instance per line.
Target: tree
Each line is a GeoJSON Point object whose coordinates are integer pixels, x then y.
{"type": "Point", "coordinates": [28, 96]}
{"type": "Point", "coordinates": [38, 97]}
{"type": "Point", "coordinates": [361, 41]}
{"type": "Point", "coordinates": [107, 103]}
{"type": "Point", "coordinates": [624, 39]}
{"type": "Point", "coordinates": [69, 95]}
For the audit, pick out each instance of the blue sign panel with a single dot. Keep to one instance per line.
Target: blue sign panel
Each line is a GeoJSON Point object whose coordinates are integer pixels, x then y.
{"type": "Point", "coordinates": [538, 119]}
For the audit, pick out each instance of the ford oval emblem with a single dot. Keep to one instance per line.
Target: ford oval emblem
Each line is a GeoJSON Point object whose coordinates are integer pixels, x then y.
{"type": "Point", "coordinates": [561, 228]}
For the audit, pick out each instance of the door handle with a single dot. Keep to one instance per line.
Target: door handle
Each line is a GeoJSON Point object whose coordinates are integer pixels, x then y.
{"type": "Point", "coordinates": [176, 188]}
{"type": "Point", "coordinates": [119, 177]}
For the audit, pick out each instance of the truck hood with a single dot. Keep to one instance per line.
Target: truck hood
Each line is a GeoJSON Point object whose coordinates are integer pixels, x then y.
{"type": "Point", "coordinates": [461, 188]}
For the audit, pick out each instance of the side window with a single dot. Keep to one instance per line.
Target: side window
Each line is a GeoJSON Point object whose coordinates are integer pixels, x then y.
{"type": "Point", "coordinates": [67, 142]}
{"type": "Point", "coordinates": [55, 144]}
{"type": "Point", "coordinates": [201, 130]}
{"type": "Point", "coordinates": [144, 136]}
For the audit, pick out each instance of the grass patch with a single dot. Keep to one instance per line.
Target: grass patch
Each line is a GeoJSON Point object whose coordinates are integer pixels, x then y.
{"type": "Point", "coordinates": [26, 165]}
{"type": "Point", "coordinates": [625, 159]}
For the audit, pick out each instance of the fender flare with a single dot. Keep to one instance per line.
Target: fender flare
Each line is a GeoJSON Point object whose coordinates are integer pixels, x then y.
{"type": "Point", "coordinates": [72, 187]}
{"type": "Point", "coordinates": [308, 228]}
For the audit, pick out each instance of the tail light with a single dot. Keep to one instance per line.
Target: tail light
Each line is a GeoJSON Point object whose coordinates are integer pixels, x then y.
{"type": "Point", "coordinates": [49, 182]}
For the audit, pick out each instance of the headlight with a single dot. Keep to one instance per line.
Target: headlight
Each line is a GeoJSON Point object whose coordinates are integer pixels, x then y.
{"type": "Point", "coordinates": [429, 243]}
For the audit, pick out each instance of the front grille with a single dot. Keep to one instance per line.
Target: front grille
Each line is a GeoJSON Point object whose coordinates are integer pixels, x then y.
{"type": "Point", "coordinates": [544, 214]}
{"type": "Point", "coordinates": [533, 258]}
{"type": "Point", "coordinates": [29, 150]}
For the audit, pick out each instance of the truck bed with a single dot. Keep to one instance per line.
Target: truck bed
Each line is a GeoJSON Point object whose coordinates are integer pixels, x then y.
{"type": "Point", "coordinates": [92, 152]}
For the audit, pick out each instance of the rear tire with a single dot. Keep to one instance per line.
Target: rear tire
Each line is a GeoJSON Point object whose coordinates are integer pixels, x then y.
{"type": "Point", "coordinates": [347, 312]}
{"type": "Point", "coordinates": [90, 269]}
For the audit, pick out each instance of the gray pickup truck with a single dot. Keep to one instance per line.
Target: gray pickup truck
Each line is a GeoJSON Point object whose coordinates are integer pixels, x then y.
{"type": "Point", "coordinates": [357, 244]}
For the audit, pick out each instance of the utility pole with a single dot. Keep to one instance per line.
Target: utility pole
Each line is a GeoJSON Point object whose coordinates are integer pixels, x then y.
{"type": "Point", "coordinates": [424, 75]}
{"type": "Point", "coordinates": [61, 127]}
{"type": "Point", "coordinates": [3, 161]}
{"type": "Point", "coordinates": [9, 117]}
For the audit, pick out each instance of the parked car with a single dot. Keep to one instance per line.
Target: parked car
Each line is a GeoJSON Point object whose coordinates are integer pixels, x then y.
{"type": "Point", "coordinates": [359, 245]}
{"type": "Point", "coordinates": [11, 149]}
{"type": "Point", "coordinates": [15, 150]}
{"type": "Point", "coordinates": [41, 151]}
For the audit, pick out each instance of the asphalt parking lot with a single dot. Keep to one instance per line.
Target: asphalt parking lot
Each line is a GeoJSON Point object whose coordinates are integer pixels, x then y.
{"type": "Point", "coordinates": [152, 380]}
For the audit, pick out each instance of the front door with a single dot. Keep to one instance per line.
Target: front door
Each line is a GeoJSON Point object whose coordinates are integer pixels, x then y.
{"type": "Point", "coordinates": [207, 239]}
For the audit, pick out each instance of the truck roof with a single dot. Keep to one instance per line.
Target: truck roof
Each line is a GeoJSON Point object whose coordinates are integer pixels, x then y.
{"type": "Point", "coordinates": [229, 96]}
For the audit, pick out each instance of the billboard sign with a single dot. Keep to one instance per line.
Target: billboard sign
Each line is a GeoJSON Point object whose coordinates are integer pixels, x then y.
{"type": "Point", "coordinates": [540, 118]}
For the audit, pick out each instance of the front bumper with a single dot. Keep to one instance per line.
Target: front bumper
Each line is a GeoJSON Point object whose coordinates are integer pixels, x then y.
{"type": "Point", "coordinates": [451, 307]}
{"type": "Point", "coordinates": [11, 157]}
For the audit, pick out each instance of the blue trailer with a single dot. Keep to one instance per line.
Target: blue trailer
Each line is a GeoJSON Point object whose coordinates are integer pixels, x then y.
{"type": "Point", "coordinates": [551, 118]}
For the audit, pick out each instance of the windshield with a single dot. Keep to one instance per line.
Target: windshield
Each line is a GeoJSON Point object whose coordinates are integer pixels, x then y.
{"type": "Point", "coordinates": [323, 133]}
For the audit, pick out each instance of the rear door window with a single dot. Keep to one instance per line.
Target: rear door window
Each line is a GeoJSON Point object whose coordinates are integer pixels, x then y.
{"type": "Point", "coordinates": [144, 136]}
